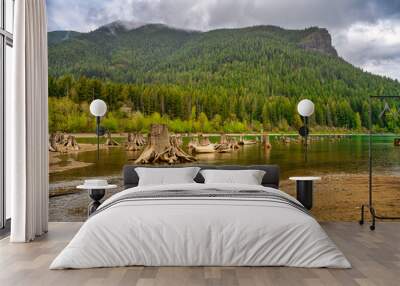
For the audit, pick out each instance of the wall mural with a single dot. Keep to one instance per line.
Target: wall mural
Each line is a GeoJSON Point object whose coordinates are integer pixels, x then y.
{"type": "Point", "coordinates": [225, 96]}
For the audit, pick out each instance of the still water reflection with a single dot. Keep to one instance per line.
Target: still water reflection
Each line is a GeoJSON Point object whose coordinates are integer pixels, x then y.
{"type": "Point", "coordinates": [348, 155]}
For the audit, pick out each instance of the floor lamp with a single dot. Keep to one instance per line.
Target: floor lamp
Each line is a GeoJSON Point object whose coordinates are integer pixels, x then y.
{"type": "Point", "coordinates": [370, 204]}
{"type": "Point", "coordinates": [305, 109]}
{"type": "Point", "coordinates": [98, 108]}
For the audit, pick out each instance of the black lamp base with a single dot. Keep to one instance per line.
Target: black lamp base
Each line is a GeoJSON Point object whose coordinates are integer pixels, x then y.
{"type": "Point", "coordinates": [96, 196]}
{"type": "Point", "coordinates": [304, 193]}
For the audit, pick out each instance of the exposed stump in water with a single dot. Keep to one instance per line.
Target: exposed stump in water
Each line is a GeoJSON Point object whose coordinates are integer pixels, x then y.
{"type": "Point", "coordinates": [223, 139]}
{"type": "Point", "coordinates": [135, 141]}
{"type": "Point", "coordinates": [179, 140]}
{"type": "Point", "coordinates": [162, 149]}
{"type": "Point", "coordinates": [194, 141]}
{"type": "Point", "coordinates": [204, 140]}
{"type": "Point", "coordinates": [52, 143]}
{"type": "Point", "coordinates": [60, 142]}
{"type": "Point", "coordinates": [71, 143]}
{"type": "Point", "coordinates": [265, 140]}
{"type": "Point", "coordinates": [110, 141]}
{"type": "Point", "coordinates": [201, 144]}
{"type": "Point", "coordinates": [57, 142]}
{"type": "Point", "coordinates": [243, 141]}
{"type": "Point", "coordinates": [177, 151]}
{"type": "Point", "coordinates": [226, 144]}
{"type": "Point", "coordinates": [60, 138]}
{"type": "Point", "coordinates": [233, 143]}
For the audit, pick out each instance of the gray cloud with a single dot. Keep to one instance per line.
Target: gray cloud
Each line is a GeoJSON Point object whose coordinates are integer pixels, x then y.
{"type": "Point", "coordinates": [374, 47]}
{"type": "Point", "coordinates": [357, 26]}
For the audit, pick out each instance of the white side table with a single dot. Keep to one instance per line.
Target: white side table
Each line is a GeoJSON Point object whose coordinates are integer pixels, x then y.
{"type": "Point", "coordinates": [96, 193]}
{"type": "Point", "coordinates": [304, 190]}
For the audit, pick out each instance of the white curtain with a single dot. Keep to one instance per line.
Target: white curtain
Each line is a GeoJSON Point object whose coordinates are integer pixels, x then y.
{"type": "Point", "coordinates": [27, 124]}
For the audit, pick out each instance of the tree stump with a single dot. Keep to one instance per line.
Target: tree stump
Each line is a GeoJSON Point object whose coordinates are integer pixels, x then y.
{"type": "Point", "coordinates": [71, 143]}
{"type": "Point", "coordinates": [135, 141]}
{"type": "Point", "coordinates": [52, 143]}
{"type": "Point", "coordinates": [162, 149]}
{"type": "Point", "coordinates": [227, 144]}
{"type": "Point", "coordinates": [241, 140]}
{"type": "Point", "coordinates": [223, 139]}
{"type": "Point", "coordinates": [204, 140]}
{"type": "Point", "coordinates": [265, 140]}
{"type": "Point", "coordinates": [139, 139]}
{"type": "Point", "coordinates": [193, 143]}
{"type": "Point", "coordinates": [110, 141]}
{"type": "Point", "coordinates": [130, 138]}
{"type": "Point", "coordinates": [179, 140]}
{"type": "Point", "coordinates": [223, 146]}
{"type": "Point", "coordinates": [233, 143]}
{"type": "Point", "coordinates": [60, 138]}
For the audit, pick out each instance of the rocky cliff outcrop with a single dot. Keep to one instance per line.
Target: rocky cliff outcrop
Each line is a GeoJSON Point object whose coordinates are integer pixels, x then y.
{"type": "Point", "coordinates": [318, 40]}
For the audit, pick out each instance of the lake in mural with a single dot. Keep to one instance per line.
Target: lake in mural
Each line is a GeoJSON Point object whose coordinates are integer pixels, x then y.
{"type": "Point", "coordinates": [342, 161]}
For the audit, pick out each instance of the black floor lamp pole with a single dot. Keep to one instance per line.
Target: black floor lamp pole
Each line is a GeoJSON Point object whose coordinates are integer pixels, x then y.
{"type": "Point", "coordinates": [306, 138]}
{"type": "Point", "coordinates": [370, 205]}
{"type": "Point", "coordinates": [98, 136]}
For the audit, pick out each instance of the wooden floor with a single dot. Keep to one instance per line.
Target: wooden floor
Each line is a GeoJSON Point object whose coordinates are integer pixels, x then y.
{"type": "Point", "coordinates": [375, 257]}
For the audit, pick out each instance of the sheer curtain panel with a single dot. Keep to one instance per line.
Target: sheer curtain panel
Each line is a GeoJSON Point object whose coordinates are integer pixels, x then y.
{"type": "Point", "coordinates": [27, 124]}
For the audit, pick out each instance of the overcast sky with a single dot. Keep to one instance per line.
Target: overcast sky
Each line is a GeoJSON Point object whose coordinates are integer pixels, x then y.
{"type": "Point", "coordinates": [365, 32]}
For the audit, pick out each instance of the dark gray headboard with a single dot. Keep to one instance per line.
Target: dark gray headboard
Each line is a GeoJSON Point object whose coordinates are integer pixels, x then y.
{"type": "Point", "coordinates": [271, 177]}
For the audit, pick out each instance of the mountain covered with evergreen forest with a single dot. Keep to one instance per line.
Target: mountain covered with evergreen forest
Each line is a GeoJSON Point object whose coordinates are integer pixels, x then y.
{"type": "Point", "coordinates": [221, 80]}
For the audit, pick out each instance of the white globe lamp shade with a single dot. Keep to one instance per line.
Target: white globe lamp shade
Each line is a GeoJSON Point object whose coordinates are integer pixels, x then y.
{"type": "Point", "coordinates": [305, 108]}
{"type": "Point", "coordinates": [98, 107]}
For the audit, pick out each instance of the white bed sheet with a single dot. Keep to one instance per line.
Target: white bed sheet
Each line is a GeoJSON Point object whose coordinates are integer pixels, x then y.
{"type": "Point", "coordinates": [200, 232]}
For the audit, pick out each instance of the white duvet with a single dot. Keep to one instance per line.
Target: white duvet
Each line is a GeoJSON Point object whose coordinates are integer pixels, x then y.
{"type": "Point", "coordinates": [200, 231]}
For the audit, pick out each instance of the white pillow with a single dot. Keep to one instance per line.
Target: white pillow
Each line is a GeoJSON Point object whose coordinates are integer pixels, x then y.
{"type": "Point", "coordinates": [248, 177]}
{"type": "Point", "coordinates": [166, 176]}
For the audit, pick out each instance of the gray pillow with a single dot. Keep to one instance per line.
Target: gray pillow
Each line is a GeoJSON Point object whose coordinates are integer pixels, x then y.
{"type": "Point", "coordinates": [166, 176]}
{"type": "Point", "coordinates": [247, 177]}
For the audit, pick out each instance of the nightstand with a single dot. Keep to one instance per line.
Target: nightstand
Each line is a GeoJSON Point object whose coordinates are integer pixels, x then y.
{"type": "Point", "coordinates": [304, 190]}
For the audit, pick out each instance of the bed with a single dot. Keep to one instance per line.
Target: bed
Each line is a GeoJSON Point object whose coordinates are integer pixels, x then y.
{"type": "Point", "coordinates": [198, 224]}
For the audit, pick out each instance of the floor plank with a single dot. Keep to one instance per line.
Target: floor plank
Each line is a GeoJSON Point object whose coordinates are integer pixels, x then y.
{"type": "Point", "coordinates": [375, 257]}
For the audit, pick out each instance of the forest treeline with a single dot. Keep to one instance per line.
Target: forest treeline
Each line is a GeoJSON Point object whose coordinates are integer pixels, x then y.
{"type": "Point", "coordinates": [133, 107]}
